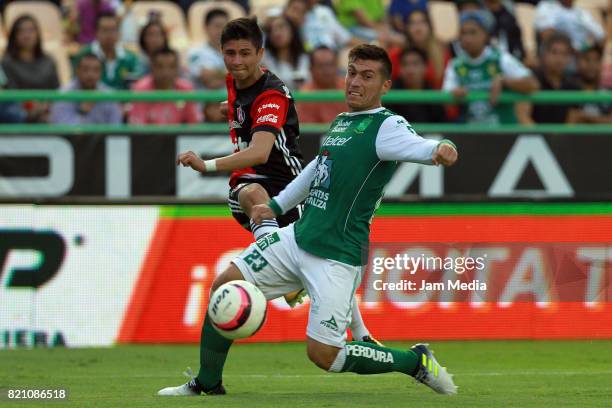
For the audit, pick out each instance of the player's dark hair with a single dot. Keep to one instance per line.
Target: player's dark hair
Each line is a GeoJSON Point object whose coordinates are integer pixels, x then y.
{"type": "Point", "coordinates": [243, 28]}
{"type": "Point", "coordinates": [414, 51]}
{"type": "Point", "coordinates": [12, 48]}
{"type": "Point", "coordinates": [106, 14]}
{"type": "Point", "coordinates": [213, 13]}
{"type": "Point", "coordinates": [557, 38]}
{"type": "Point", "coordinates": [164, 51]}
{"type": "Point", "coordinates": [371, 52]}
{"type": "Point", "coordinates": [296, 46]}
{"type": "Point", "coordinates": [311, 55]}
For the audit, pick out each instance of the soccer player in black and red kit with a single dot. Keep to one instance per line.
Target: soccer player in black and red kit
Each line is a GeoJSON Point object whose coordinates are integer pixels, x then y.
{"type": "Point", "coordinates": [264, 129]}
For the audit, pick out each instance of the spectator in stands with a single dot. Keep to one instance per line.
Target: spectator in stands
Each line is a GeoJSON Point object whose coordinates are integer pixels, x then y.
{"type": "Point", "coordinates": [88, 76]}
{"type": "Point", "coordinates": [506, 31]}
{"type": "Point", "coordinates": [152, 37]}
{"type": "Point", "coordinates": [26, 66]}
{"type": "Point", "coordinates": [83, 23]}
{"type": "Point", "coordinates": [555, 59]}
{"type": "Point", "coordinates": [285, 55]}
{"type": "Point", "coordinates": [419, 34]}
{"type": "Point", "coordinates": [120, 66]}
{"type": "Point", "coordinates": [294, 11]}
{"type": "Point", "coordinates": [322, 28]}
{"type": "Point", "coordinates": [413, 67]}
{"type": "Point", "coordinates": [10, 112]}
{"type": "Point", "coordinates": [484, 68]}
{"type": "Point", "coordinates": [206, 67]}
{"type": "Point", "coordinates": [589, 79]}
{"type": "Point", "coordinates": [365, 19]}
{"type": "Point", "coordinates": [164, 77]}
{"type": "Point", "coordinates": [400, 10]}
{"type": "Point", "coordinates": [324, 74]}
{"type": "Point", "coordinates": [561, 16]}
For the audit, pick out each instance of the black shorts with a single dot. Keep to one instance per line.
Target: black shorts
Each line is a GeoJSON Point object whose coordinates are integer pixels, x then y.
{"type": "Point", "coordinates": [273, 187]}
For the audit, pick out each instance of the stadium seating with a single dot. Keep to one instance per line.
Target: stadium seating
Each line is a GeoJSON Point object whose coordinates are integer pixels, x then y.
{"type": "Point", "coordinates": [445, 20]}
{"type": "Point", "coordinates": [199, 9]}
{"type": "Point", "coordinates": [45, 13]}
{"type": "Point", "coordinates": [62, 62]}
{"type": "Point", "coordinates": [525, 16]}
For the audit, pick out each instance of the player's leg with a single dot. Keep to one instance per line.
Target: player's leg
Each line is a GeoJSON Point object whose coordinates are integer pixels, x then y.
{"type": "Point", "coordinates": [213, 351]}
{"type": "Point", "coordinates": [331, 286]}
{"type": "Point", "coordinates": [249, 196]}
{"type": "Point", "coordinates": [359, 331]}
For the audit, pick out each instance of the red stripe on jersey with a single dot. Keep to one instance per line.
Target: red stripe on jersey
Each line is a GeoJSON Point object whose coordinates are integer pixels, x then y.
{"type": "Point", "coordinates": [231, 117]}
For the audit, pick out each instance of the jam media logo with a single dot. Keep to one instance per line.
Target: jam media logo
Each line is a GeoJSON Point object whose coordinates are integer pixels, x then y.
{"type": "Point", "coordinates": [49, 246]}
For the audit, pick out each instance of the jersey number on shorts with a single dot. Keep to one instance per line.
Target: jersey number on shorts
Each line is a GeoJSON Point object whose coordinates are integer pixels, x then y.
{"type": "Point", "coordinates": [256, 261]}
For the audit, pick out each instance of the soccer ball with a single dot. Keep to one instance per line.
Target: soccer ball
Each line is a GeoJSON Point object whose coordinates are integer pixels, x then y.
{"type": "Point", "coordinates": [237, 309]}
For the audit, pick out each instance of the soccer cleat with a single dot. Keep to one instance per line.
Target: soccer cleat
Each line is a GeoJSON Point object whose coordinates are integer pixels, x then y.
{"type": "Point", "coordinates": [295, 297]}
{"type": "Point", "coordinates": [191, 388]}
{"type": "Point", "coordinates": [431, 373]}
{"type": "Point", "coordinates": [370, 339]}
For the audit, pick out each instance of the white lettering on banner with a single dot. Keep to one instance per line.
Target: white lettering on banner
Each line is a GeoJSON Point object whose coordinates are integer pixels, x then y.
{"type": "Point", "coordinates": [597, 281]}
{"type": "Point", "coordinates": [56, 149]}
{"type": "Point", "coordinates": [268, 118]}
{"type": "Point", "coordinates": [528, 277]}
{"type": "Point", "coordinates": [531, 149]}
{"type": "Point", "coordinates": [194, 306]}
{"type": "Point", "coordinates": [191, 184]}
{"type": "Point", "coordinates": [268, 106]}
{"type": "Point", "coordinates": [118, 167]}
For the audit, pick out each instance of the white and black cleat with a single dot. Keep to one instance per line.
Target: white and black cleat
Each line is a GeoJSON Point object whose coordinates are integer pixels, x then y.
{"type": "Point", "coordinates": [431, 373]}
{"type": "Point", "coordinates": [191, 388]}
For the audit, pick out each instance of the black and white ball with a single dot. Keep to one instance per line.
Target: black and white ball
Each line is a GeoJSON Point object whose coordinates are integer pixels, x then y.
{"type": "Point", "coordinates": [237, 309]}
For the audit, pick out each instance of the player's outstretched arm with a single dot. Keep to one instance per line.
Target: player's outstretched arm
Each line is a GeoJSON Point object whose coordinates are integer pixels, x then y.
{"type": "Point", "coordinates": [256, 153]}
{"type": "Point", "coordinates": [293, 194]}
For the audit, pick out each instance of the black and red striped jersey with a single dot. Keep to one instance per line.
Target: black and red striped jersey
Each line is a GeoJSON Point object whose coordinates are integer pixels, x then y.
{"type": "Point", "coordinates": [267, 105]}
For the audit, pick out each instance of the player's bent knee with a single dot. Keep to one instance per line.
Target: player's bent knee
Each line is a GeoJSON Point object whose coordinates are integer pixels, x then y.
{"type": "Point", "coordinates": [251, 195]}
{"type": "Point", "coordinates": [322, 355]}
{"type": "Point", "coordinates": [229, 274]}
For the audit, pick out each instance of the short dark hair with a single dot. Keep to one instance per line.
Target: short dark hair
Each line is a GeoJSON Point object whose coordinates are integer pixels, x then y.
{"type": "Point", "coordinates": [106, 14]}
{"type": "Point", "coordinates": [311, 54]}
{"type": "Point", "coordinates": [243, 28]}
{"type": "Point", "coordinates": [372, 53]}
{"type": "Point", "coordinates": [557, 38]}
{"type": "Point", "coordinates": [88, 55]}
{"type": "Point", "coordinates": [216, 12]}
{"type": "Point", "coordinates": [413, 50]}
{"type": "Point", "coordinates": [164, 51]}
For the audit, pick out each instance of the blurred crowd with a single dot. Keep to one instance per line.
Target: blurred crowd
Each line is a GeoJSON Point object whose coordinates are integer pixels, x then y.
{"type": "Point", "coordinates": [458, 46]}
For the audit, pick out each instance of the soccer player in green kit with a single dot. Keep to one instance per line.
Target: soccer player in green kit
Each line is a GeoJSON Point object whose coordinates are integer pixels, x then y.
{"type": "Point", "coordinates": [324, 250]}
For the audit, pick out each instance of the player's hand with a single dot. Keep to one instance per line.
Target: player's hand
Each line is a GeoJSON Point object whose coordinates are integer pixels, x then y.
{"type": "Point", "coordinates": [445, 155]}
{"type": "Point", "coordinates": [262, 212]}
{"type": "Point", "coordinates": [190, 159]}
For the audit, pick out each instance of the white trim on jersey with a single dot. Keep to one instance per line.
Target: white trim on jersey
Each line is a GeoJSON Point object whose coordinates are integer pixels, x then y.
{"type": "Point", "coordinates": [291, 161]}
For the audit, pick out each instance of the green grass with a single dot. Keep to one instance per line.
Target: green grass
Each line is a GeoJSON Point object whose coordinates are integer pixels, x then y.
{"type": "Point", "coordinates": [489, 374]}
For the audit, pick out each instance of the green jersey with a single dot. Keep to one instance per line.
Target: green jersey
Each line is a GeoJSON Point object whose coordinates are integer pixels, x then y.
{"type": "Point", "coordinates": [346, 182]}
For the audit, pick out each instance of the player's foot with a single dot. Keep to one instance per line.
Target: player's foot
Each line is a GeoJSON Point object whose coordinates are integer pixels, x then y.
{"type": "Point", "coordinates": [295, 297]}
{"type": "Point", "coordinates": [370, 339]}
{"type": "Point", "coordinates": [191, 388]}
{"type": "Point", "coordinates": [431, 373]}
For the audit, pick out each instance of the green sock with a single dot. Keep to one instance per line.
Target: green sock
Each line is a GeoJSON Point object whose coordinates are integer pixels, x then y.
{"type": "Point", "coordinates": [213, 352]}
{"type": "Point", "coordinates": [367, 358]}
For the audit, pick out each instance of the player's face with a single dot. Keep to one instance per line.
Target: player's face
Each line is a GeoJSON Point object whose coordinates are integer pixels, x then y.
{"type": "Point", "coordinates": [365, 85]}
{"type": "Point", "coordinates": [241, 59]}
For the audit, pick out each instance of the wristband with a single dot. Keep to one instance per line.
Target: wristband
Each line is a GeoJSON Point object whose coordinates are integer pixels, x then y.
{"type": "Point", "coordinates": [275, 207]}
{"type": "Point", "coordinates": [210, 165]}
{"type": "Point", "coordinates": [448, 142]}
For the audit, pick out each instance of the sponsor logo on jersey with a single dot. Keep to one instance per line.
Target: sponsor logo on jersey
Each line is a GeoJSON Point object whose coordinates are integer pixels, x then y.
{"type": "Point", "coordinates": [265, 242]}
{"type": "Point", "coordinates": [336, 141]}
{"type": "Point", "coordinates": [323, 172]}
{"type": "Point", "coordinates": [341, 126]}
{"type": "Point", "coordinates": [271, 118]}
{"type": "Point", "coordinates": [240, 116]}
{"type": "Point", "coordinates": [363, 125]}
{"type": "Point", "coordinates": [268, 106]}
{"type": "Point", "coordinates": [356, 350]}
{"type": "Point", "coordinates": [330, 324]}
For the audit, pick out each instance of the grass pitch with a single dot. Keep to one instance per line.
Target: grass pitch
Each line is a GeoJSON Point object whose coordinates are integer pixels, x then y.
{"type": "Point", "coordinates": [489, 374]}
